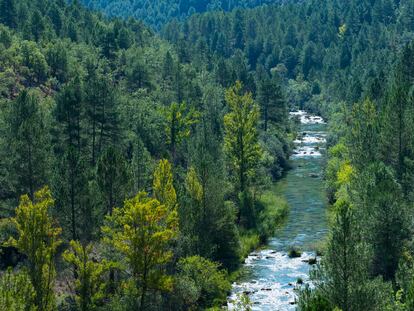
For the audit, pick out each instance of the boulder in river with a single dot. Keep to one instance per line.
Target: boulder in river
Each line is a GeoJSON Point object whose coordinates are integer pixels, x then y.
{"type": "Point", "coordinates": [313, 261]}
{"type": "Point", "coordinates": [294, 252]}
{"type": "Point", "coordinates": [313, 175]}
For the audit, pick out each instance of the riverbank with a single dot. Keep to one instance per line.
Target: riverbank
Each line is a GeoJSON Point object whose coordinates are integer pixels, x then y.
{"type": "Point", "coordinates": [274, 211]}
{"type": "Point", "coordinates": [270, 275]}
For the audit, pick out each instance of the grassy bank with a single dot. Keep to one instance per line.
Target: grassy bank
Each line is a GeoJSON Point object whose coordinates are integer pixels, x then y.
{"type": "Point", "coordinates": [272, 211]}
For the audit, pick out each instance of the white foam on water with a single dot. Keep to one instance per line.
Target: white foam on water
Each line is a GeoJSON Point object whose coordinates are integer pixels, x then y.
{"type": "Point", "coordinates": [277, 290]}
{"type": "Point", "coordinates": [268, 293]}
{"type": "Point", "coordinates": [306, 118]}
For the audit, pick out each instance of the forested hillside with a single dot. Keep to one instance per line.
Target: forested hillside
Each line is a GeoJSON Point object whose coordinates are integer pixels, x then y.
{"type": "Point", "coordinates": [157, 13]}
{"type": "Point", "coordinates": [123, 185]}
{"type": "Point", "coordinates": [137, 170]}
{"type": "Point", "coordinates": [339, 51]}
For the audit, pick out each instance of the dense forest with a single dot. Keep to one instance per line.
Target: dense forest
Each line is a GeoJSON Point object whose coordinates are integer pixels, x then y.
{"type": "Point", "coordinates": [157, 13]}
{"type": "Point", "coordinates": [137, 167]}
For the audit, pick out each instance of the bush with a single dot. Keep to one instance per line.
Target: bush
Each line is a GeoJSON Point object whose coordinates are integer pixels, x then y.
{"type": "Point", "coordinates": [312, 300]}
{"type": "Point", "coordinates": [205, 285]}
{"type": "Point", "coordinates": [274, 210]}
{"type": "Point", "coordinates": [249, 241]}
{"type": "Point", "coordinates": [16, 292]}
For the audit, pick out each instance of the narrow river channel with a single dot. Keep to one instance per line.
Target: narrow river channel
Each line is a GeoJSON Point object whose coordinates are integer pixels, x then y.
{"type": "Point", "coordinates": [271, 275]}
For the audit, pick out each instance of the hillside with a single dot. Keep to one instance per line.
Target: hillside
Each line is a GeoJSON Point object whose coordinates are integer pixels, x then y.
{"type": "Point", "coordinates": [158, 13]}
{"type": "Point", "coordinates": [325, 53]}
{"type": "Point", "coordinates": [139, 168]}
{"type": "Point", "coordinates": [100, 118]}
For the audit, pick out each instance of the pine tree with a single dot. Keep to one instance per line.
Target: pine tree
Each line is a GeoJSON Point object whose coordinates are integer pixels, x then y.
{"type": "Point", "coordinates": [272, 103]}
{"type": "Point", "coordinates": [16, 292]}
{"type": "Point", "coordinates": [71, 181]}
{"type": "Point", "coordinates": [113, 179]}
{"type": "Point", "coordinates": [28, 144]}
{"type": "Point", "coordinates": [346, 261]}
{"type": "Point", "coordinates": [101, 111]}
{"type": "Point", "coordinates": [8, 13]}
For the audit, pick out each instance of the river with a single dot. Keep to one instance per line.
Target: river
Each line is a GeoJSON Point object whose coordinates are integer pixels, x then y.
{"type": "Point", "coordinates": [270, 275]}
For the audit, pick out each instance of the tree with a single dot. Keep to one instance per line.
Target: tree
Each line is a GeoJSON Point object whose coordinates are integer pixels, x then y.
{"type": "Point", "coordinates": [211, 283]}
{"type": "Point", "coordinates": [178, 125]}
{"type": "Point", "coordinates": [112, 177]}
{"type": "Point", "coordinates": [142, 231]}
{"type": "Point", "coordinates": [272, 102]}
{"type": "Point", "coordinates": [241, 143]}
{"type": "Point", "coordinates": [141, 167]}
{"type": "Point", "coordinates": [28, 143]}
{"type": "Point", "coordinates": [90, 283]}
{"type": "Point", "coordinates": [8, 13]}
{"type": "Point", "coordinates": [163, 187]}
{"type": "Point", "coordinates": [101, 113]}
{"type": "Point", "coordinates": [398, 120]}
{"type": "Point", "coordinates": [346, 262]}
{"type": "Point", "coordinates": [364, 134]}
{"type": "Point", "coordinates": [38, 239]}
{"type": "Point", "coordinates": [386, 220]}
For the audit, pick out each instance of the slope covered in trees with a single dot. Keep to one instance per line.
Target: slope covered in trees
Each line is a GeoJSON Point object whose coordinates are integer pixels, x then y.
{"type": "Point", "coordinates": [352, 61]}
{"type": "Point", "coordinates": [133, 168]}
{"type": "Point", "coordinates": [338, 51]}
{"type": "Point", "coordinates": [158, 13]}
{"type": "Point", "coordinates": [116, 188]}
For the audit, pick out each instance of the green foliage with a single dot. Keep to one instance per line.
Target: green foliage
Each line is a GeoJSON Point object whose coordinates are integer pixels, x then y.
{"type": "Point", "coordinates": [90, 283]}
{"type": "Point", "coordinates": [313, 300]}
{"type": "Point", "coordinates": [241, 143]}
{"type": "Point", "coordinates": [163, 187]}
{"type": "Point", "coordinates": [249, 241]}
{"type": "Point", "coordinates": [16, 292]}
{"type": "Point", "coordinates": [210, 283]}
{"type": "Point", "coordinates": [158, 13]}
{"type": "Point", "coordinates": [178, 125]}
{"type": "Point", "coordinates": [142, 231]}
{"type": "Point", "coordinates": [27, 131]}
{"type": "Point", "coordinates": [112, 178]}
{"type": "Point", "coordinates": [273, 212]}
{"type": "Point", "coordinates": [38, 239]}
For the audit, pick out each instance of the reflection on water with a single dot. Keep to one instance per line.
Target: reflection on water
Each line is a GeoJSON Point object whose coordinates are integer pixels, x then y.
{"type": "Point", "coordinates": [271, 275]}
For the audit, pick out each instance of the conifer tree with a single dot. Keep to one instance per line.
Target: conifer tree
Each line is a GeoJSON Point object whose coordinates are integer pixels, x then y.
{"type": "Point", "coordinates": [29, 144]}
{"type": "Point", "coordinates": [8, 13]}
{"type": "Point", "coordinates": [113, 178]}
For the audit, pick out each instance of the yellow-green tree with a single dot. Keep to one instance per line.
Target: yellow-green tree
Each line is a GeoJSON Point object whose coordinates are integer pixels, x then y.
{"type": "Point", "coordinates": [142, 231]}
{"type": "Point", "coordinates": [163, 187]}
{"type": "Point", "coordinates": [90, 283]}
{"type": "Point", "coordinates": [241, 142]}
{"type": "Point", "coordinates": [178, 124]}
{"type": "Point", "coordinates": [16, 292]}
{"type": "Point", "coordinates": [38, 239]}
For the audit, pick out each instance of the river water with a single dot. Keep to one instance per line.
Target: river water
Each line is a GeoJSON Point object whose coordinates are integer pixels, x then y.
{"type": "Point", "coordinates": [270, 275]}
